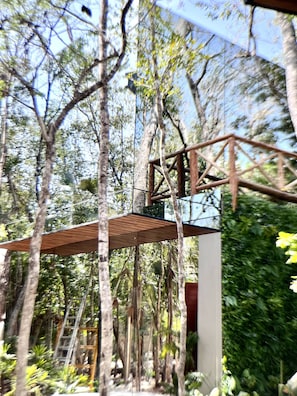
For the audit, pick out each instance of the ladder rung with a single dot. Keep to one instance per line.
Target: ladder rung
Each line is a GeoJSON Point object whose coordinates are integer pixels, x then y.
{"type": "Point", "coordinates": [84, 366]}
{"type": "Point", "coordinates": [85, 328]}
{"type": "Point", "coordinates": [89, 347]}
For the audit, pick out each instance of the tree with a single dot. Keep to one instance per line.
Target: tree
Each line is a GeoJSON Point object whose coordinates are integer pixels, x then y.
{"type": "Point", "coordinates": [4, 275]}
{"type": "Point", "coordinates": [32, 73]}
{"type": "Point", "coordinates": [161, 89]}
{"type": "Point", "coordinates": [103, 236]}
{"type": "Point", "coordinates": [4, 108]}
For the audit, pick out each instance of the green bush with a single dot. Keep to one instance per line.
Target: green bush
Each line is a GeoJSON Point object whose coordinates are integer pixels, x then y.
{"type": "Point", "coordinates": [259, 310]}
{"type": "Point", "coordinates": [43, 376]}
{"type": "Point", "coordinates": [7, 367]}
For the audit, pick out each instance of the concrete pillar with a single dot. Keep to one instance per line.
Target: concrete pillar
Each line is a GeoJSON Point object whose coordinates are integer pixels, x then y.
{"type": "Point", "coordinates": [210, 310]}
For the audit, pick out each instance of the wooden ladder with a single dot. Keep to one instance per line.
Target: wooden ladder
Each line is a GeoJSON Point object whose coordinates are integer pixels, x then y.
{"type": "Point", "coordinates": [77, 345]}
{"type": "Point", "coordinates": [67, 343]}
{"type": "Point", "coordinates": [87, 351]}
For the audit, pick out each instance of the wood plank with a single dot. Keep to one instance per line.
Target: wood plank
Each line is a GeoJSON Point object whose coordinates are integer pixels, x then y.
{"type": "Point", "coordinates": [124, 231]}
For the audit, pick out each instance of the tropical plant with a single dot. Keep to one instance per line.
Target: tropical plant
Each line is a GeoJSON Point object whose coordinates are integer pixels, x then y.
{"type": "Point", "coordinates": [7, 367]}
{"type": "Point", "coordinates": [259, 315]}
{"type": "Point", "coordinates": [288, 242]}
{"type": "Point", "coordinates": [43, 375]}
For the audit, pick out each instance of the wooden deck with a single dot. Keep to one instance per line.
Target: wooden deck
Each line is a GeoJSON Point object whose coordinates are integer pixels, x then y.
{"type": "Point", "coordinates": [124, 231]}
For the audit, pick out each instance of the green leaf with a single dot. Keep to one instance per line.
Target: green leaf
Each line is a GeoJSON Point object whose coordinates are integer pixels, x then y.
{"type": "Point", "coordinates": [3, 233]}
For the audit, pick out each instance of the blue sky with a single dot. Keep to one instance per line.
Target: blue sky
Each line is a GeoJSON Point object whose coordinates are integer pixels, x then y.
{"type": "Point", "coordinates": [233, 29]}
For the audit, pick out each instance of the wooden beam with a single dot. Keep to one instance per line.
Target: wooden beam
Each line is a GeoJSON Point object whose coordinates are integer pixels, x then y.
{"type": "Point", "coordinates": [288, 6]}
{"type": "Point", "coordinates": [232, 172]}
{"type": "Point", "coordinates": [181, 191]}
{"type": "Point", "coordinates": [282, 195]}
{"type": "Point", "coordinates": [193, 170]}
{"type": "Point", "coordinates": [151, 183]}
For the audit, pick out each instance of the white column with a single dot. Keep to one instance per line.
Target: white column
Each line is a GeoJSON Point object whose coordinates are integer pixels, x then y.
{"type": "Point", "coordinates": [210, 310]}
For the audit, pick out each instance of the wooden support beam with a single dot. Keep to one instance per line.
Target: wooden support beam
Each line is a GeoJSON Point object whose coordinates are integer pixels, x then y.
{"type": "Point", "coordinates": [282, 195]}
{"type": "Point", "coordinates": [151, 183]}
{"type": "Point", "coordinates": [289, 6]}
{"type": "Point", "coordinates": [181, 190]}
{"type": "Point", "coordinates": [194, 171]}
{"type": "Point", "coordinates": [280, 171]}
{"type": "Point", "coordinates": [232, 172]}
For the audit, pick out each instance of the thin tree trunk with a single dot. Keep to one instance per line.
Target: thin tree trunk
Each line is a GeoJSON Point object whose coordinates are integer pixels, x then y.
{"type": "Point", "coordinates": [33, 272]}
{"type": "Point", "coordinates": [4, 276]}
{"type": "Point", "coordinates": [290, 57]}
{"type": "Point", "coordinates": [128, 344]}
{"type": "Point", "coordinates": [168, 357]}
{"type": "Point", "coordinates": [180, 369]}
{"type": "Point", "coordinates": [136, 318]}
{"type": "Point", "coordinates": [103, 242]}
{"type": "Point", "coordinates": [3, 134]}
{"type": "Point", "coordinates": [156, 348]}
{"type": "Point", "coordinates": [179, 225]}
{"type": "Point", "coordinates": [141, 163]}
{"type": "Point", "coordinates": [13, 317]}
{"type": "Point", "coordinates": [158, 328]}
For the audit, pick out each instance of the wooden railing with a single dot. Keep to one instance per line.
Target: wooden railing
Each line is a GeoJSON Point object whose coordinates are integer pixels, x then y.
{"type": "Point", "coordinates": [232, 160]}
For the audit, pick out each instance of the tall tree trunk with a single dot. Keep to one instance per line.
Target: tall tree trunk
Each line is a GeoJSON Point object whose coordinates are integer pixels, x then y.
{"type": "Point", "coordinates": [4, 101]}
{"type": "Point", "coordinates": [33, 270]}
{"type": "Point", "coordinates": [179, 227]}
{"type": "Point", "coordinates": [158, 336]}
{"type": "Point", "coordinates": [290, 57]}
{"type": "Point", "coordinates": [180, 369]}
{"type": "Point", "coordinates": [12, 323]}
{"type": "Point", "coordinates": [103, 242]}
{"type": "Point", "coordinates": [136, 317]}
{"type": "Point", "coordinates": [169, 338]}
{"type": "Point", "coordinates": [4, 276]}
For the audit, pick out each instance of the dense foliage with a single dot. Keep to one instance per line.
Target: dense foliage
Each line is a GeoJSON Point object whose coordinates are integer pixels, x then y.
{"type": "Point", "coordinates": [259, 310]}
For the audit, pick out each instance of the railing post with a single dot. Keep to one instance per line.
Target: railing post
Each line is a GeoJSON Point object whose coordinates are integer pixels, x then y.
{"type": "Point", "coordinates": [280, 171]}
{"type": "Point", "coordinates": [233, 178]}
{"type": "Point", "coordinates": [193, 170]}
{"type": "Point", "coordinates": [180, 175]}
{"type": "Point", "coordinates": [151, 183]}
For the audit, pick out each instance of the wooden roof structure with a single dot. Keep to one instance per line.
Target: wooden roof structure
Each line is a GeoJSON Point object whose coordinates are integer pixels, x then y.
{"type": "Point", "coordinates": [124, 231]}
{"type": "Point", "coordinates": [289, 6]}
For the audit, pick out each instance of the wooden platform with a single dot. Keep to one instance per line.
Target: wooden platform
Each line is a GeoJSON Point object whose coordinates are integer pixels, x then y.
{"type": "Point", "coordinates": [124, 231]}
